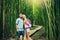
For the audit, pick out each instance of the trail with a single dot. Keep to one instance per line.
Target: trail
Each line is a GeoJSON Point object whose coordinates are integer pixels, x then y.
{"type": "Point", "coordinates": [32, 32]}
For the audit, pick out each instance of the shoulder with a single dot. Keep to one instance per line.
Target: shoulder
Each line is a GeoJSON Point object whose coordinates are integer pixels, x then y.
{"type": "Point", "coordinates": [18, 19]}
{"type": "Point", "coordinates": [29, 21]}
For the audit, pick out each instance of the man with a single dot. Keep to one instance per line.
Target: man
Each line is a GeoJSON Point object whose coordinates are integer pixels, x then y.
{"type": "Point", "coordinates": [19, 27]}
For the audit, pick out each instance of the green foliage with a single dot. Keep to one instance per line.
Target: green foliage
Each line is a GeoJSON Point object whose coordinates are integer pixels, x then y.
{"type": "Point", "coordinates": [1, 18]}
{"type": "Point", "coordinates": [46, 13]}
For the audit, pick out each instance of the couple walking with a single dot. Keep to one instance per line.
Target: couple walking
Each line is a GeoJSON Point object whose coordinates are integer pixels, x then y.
{"type": "Point", "coordinates": [23, 27]}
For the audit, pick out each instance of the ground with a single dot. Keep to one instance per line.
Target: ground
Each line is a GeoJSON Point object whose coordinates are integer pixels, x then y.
{"type": "Point", "coordinates": [35, 34]}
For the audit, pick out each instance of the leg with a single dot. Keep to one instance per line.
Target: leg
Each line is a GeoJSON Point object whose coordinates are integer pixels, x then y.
{"type": "Point", "coordinates": [27, 35]}
{"type": "Point", "coordinates": [18, 34]}
{"type": "Point", "coordinates": [18, 37]}
{"type": "Point", "coordinates": [22, 38]}
{"type": "Point", "coordinates": [23, 35]}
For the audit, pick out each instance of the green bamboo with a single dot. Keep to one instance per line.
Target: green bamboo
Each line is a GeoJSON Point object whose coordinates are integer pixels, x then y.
{"type": "Point", "coordinates": [45, 13]}
{"type": "Point", "coordinates": [1, 19]}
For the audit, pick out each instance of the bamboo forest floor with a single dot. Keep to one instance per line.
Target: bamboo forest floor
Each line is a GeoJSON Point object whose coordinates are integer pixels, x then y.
{"type": "Point", "coordinates": [35, 34]}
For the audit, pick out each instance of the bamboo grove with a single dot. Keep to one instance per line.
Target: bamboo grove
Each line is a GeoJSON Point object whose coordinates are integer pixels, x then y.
{"type": "Point", "coordinates": [40, 12]}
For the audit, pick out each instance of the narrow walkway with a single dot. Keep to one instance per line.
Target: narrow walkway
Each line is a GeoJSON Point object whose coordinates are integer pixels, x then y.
{"type": "Point", "coordinates": [31, 32]}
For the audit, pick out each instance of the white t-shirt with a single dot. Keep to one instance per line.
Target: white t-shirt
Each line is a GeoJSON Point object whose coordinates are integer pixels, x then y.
{"type": "Point", "coordinates": [20, 23]}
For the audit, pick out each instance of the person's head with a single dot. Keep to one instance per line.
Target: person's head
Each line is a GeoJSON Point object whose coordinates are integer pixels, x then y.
{"type": "Point", "coordinates": [24, 16]}
{"type": "Point", "coordinates": [20, 15]}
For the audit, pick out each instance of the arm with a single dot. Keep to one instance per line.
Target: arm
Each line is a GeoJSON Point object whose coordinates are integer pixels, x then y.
{"type": "Point", "coordinates": [16, 24]}
{"type": "Point", "coordinates": [16, 27]}
{"type": "Point", "coordinates": [26, 22]}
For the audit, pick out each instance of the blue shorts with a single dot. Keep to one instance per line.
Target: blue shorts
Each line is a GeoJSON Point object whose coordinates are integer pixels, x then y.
{"type": "Point", "coordinates": [19, 33]}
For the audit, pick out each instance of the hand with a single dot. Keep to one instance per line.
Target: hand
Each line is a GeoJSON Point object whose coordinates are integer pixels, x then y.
{"type": "Point", "coordinates": [16, 30]}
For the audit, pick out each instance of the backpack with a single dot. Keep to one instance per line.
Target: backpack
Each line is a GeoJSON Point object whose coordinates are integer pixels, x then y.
{"type": "Point", "coordinates": [29, 22]}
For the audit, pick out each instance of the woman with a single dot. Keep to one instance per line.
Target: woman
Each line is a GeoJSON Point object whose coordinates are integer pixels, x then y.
{"type": "Point", "coordinates": [27, 26]}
